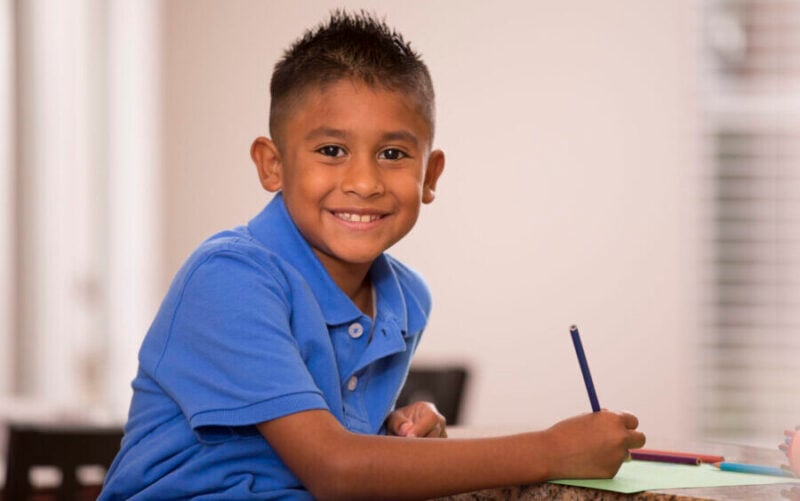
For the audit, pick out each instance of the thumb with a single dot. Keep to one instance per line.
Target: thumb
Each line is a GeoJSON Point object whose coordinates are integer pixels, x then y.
{"type": "Point", "coordinates": [406, 429]}
{"type": "Point", "coordinates": [400, 424]}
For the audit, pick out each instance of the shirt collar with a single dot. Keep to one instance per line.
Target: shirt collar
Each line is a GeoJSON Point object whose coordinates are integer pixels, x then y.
{"type": "Point", "coordinates": [274, 228]}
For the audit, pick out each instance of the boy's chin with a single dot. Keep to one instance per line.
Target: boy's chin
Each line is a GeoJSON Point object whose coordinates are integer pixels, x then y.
{"type": "Point", "coordinates": [362, 252]}
{"type": "Point", "coordinates": [352, 257]}
{"type": "Point", "coordinates": [361, 258]}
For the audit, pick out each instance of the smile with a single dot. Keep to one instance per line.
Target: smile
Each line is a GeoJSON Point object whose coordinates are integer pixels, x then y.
{"type": "Point", "coordinates": [357, 218]}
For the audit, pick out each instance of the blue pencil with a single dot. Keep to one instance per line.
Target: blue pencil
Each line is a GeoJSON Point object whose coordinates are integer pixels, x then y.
{"type": "Point", "coordinates": [753, 468]}
{"type": "Point", "coordinates": [587, 376]}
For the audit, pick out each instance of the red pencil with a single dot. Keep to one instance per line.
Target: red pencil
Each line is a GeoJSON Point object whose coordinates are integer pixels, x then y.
{"type": "Point", "coordinates": [705, 458]}
{"type": "Point", "coordinates": [665, 458]}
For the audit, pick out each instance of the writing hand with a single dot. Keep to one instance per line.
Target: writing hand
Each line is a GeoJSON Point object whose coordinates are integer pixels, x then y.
{"type": "Point", "coordinates": [594, 445]}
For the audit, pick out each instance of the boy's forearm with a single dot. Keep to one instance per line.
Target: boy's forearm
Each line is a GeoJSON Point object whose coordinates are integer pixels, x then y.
{"type": "Point", "coordinates": [335, 463]}
{"type": "Point", "coordinates": [375, 467]}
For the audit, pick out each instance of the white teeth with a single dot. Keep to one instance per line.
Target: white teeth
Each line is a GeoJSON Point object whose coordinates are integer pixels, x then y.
{"type": "Point", "coordinates": [357, 218]}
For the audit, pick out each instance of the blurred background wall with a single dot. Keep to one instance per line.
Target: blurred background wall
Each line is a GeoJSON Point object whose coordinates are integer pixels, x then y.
{"type": "Point", "coordinates": [567, 196]}
{"type": "Point", "coordinates": [579, 188]}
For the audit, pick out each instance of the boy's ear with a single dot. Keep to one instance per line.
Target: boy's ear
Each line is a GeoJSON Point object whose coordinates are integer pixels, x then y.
{"type": "Point", "coordinates": [432, 172]}
{"type": "Point", "coordinates": [268, 163]}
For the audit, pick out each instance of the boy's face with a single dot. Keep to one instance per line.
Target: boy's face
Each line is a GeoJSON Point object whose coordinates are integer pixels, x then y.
{"type": "Point", "coordinates": [354, 165]}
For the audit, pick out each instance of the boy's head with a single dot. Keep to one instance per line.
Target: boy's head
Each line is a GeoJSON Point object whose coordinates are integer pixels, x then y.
{"type": "Point", "coordinates": [351, 148]}
{"type": "Point", "coordinates": [348, 46]}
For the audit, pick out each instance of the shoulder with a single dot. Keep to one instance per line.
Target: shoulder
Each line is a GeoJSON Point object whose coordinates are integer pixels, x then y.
{"type": "Point", "coordinates": [236, 241]}
{"type": "Point", "coordinates": [229, 284]}
{"type": "Point", "coordinates": [228, 272]}
{"type": "Point", "coordinates": [231, 253]}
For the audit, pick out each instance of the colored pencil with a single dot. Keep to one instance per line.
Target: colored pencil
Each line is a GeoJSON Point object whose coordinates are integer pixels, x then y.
{"type": "Point", "coordinates": [705, 458]}
{"type": "Point", "coordinates": [665, 458]}
{"type": "Point", "coordinates": [753, 468]}
{"type": "Point", "coordinates": [587, 376]}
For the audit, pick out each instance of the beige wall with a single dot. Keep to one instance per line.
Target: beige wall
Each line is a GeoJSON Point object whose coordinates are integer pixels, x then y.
{"type": "Point", "coordinates": [568, 197]}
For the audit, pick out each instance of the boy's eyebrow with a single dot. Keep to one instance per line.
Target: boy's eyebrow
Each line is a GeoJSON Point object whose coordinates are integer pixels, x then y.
{"type": "Point", "coordinates": [398, 135]}
{"type": "Point", "coordinates": [401, 135]}
{"type": "Point", "coordinates": [325, 132]}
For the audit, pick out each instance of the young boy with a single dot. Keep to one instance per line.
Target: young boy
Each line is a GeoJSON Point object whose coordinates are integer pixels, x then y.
{"type": "Point", "coordinates": [272, 368]}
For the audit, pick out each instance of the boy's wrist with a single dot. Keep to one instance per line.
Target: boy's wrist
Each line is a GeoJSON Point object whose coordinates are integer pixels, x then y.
{"type": "Point", "coordinates": [549, 445]}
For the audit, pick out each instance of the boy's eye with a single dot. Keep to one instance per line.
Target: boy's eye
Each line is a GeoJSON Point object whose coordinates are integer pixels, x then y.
{"type": "Point", "coordinates": [331, 151]}
{"type": "Point", "coordinates": [392, 154]}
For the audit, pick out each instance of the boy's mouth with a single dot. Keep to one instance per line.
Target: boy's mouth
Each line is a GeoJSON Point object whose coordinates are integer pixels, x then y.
{"type": "Point", "coordinates": [357, 218]}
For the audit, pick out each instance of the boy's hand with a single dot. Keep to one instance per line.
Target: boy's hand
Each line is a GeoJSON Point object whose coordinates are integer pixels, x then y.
{"type": "Point", "coordinates": [420, 419]}
{"type": "Point", "coordinates": [593, 445]}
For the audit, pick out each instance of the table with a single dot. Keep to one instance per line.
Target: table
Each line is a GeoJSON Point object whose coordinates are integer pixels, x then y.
{"type": "Point", "coordinates": [732, 452]}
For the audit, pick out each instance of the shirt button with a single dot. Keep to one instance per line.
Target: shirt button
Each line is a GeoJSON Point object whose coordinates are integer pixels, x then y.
{"type": "Point", "coordinates": [352, 383]}
{"type": "Point", "coordinates": [355, 330]}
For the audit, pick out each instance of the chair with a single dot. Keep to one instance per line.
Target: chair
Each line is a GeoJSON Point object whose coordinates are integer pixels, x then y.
{"type": "Point", "coordinates": [62, 446]}
{"type": "Point", "coordinates": [444, 386]}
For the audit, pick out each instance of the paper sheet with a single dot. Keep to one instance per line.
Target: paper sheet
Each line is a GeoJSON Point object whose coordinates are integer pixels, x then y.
{"type": "Point", "coordinates": [637, 476]}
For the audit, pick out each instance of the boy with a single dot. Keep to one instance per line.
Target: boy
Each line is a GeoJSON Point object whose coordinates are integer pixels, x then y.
{"type": "Point", "coordinates": [272, 368]}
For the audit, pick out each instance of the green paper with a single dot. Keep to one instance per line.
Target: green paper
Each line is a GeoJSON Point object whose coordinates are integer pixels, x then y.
{"type": "Point", "coordinates": [638, 476]}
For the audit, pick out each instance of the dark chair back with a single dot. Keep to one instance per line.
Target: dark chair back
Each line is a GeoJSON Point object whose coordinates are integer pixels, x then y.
{"type": "Point", "coordinates": [444, 386]}
{"type": "Point", "coordinates": [64, 447]}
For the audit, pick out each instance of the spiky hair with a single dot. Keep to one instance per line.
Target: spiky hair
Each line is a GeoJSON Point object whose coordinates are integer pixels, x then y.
{"type": "Point", "coordinates": [357, 46]}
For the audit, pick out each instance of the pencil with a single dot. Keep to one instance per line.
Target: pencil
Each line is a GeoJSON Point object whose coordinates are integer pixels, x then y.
{"type": "Point", "coordinates": [665, 458]}
{"type": "Point", "coordinates": [753, 468]}
{"type": "Point", "coordinates": [705, 458]}
{"type": "Point", "coordinates": [587, 376]}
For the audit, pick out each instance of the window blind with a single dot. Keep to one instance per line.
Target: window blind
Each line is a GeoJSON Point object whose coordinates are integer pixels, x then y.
{"type": "Point", "coordinates": [751, 347]}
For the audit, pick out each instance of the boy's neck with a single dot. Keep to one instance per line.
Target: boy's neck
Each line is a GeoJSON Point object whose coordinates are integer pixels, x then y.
{"type": "Point", "coordinates": [363, 298]}
{"type": "Point", "coordinates": [354, 281]}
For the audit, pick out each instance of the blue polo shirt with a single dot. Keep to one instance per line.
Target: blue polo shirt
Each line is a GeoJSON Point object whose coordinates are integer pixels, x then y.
{"type": "Point", "coordinates": [254, 328]}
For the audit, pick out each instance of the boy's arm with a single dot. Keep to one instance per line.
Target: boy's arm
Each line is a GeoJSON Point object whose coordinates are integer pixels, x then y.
{"type": "Point", "coordinates": [334, 463]}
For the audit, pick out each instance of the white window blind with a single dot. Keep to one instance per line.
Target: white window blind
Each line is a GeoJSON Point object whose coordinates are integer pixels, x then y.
{"type": "Point", "coordinates": [751, 350]}
{"type": "Point", "coordinates": [86, 208]}
{"type": "Point", "coordinates": [6, 192]}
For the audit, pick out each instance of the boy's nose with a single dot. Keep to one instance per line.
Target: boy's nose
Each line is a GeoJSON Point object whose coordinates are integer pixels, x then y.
{"type": "Point", "coordinates": [363, 178]}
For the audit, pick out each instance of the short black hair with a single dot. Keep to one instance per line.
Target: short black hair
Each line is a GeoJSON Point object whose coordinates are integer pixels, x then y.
{"type": "Point", "coordinates": [348, 45]}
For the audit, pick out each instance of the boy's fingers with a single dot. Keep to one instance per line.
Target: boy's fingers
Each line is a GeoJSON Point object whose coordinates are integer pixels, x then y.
{"type": "Point", "coordinates": [433, 430]}
{"type": "Point", "coordinates": [630, 421]}
{"type": "Point", "coordinates": [636, 439]}
{"type": "Point", "coordinates": [420, 419]}
{"type": "Point", "coordinates": [406, 429]}
{"type": "Point", "coordinates": [429, 423]}
{"type": "Point", "coordinates": [438, 431]}
{"type": "Point", "coordinates": [398, 424]}
{"type": "Point", "coordinates": [421, 427]}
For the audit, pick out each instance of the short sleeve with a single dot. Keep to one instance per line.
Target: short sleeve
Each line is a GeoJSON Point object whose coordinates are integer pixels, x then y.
{"type": "Point", "coordinates": [229, 357]}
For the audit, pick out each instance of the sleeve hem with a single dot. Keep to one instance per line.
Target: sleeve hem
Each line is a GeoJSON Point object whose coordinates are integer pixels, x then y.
{"type": "Point", "coordinates": [259, 412]}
